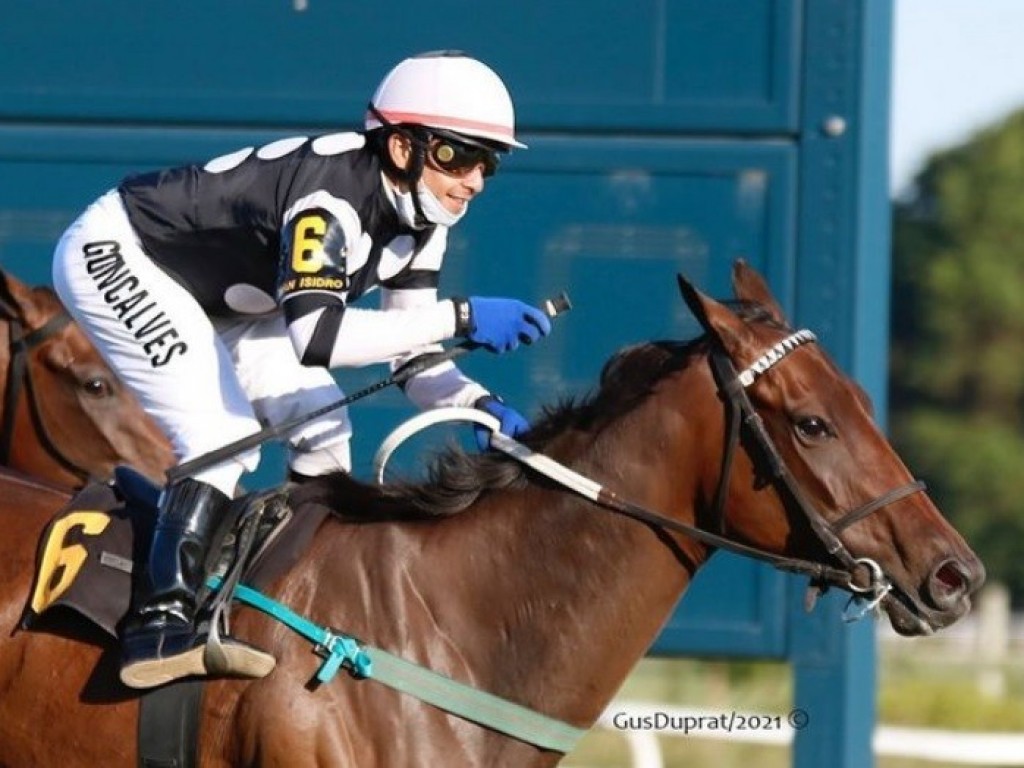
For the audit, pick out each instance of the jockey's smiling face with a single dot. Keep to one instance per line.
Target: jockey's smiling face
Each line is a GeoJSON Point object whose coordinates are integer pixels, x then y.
{"type": "Point", "coordinates": [453, 172]}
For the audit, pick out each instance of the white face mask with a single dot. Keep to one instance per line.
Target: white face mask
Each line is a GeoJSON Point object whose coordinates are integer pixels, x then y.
{"type": "Point", "coordinates": [433, 210]}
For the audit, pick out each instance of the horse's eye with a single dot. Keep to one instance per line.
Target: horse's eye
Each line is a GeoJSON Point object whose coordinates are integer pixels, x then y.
{"type": "Point", "coordinates": [98, 387]}
{"type": "Point", "coordinates": [813, 428]}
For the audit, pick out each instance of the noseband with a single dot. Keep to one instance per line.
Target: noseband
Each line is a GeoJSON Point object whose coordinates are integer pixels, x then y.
{"type": "Point", "coordinates": [19, 377]}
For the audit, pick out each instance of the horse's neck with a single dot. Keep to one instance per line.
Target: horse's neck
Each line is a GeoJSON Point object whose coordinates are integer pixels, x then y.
{"type": "Point", "coordinates": [595, 587]}
{"type": "Point", "coordinates": [542, 596]}
{"type": "Point", "coordinates": [535, 595]}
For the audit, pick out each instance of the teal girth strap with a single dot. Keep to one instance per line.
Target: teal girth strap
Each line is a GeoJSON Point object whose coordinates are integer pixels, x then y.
{"type": "Point", "coordinates": [362, 661]}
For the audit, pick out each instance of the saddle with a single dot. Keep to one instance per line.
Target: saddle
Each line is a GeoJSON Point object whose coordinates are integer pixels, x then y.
{"type": "Point", "coordinates": [89, 552]}
{"type": "Point", "coordinates": [88, 557]}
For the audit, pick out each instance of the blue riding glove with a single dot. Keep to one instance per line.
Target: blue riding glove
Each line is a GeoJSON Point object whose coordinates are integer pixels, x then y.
{"type": "Point", "coordinates": [499, 324]}
{"type": "Point", "coordinates": [512, 422]}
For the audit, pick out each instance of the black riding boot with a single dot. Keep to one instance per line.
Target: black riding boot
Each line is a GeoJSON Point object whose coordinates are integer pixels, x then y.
{"type": "Point", "coordinates": [162, 641]}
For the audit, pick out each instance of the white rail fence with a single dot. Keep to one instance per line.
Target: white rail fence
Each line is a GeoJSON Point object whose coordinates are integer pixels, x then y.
{"type": "Point", "coordinates": [643, 724]}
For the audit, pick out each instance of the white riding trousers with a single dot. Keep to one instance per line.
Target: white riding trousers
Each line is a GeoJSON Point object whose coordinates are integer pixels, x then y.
{"type": "Point", "coordinates": [205, 382]}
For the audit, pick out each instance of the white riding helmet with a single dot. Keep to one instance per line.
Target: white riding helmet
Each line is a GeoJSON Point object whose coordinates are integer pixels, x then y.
{"type": "Point", "coordinates": [449, 91]}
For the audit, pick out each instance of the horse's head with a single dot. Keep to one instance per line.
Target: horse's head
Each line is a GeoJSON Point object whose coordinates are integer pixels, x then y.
{"type": "Point", "coordinates": [72, 416]}
{"type": "Point", "coordinates": [840, 495]}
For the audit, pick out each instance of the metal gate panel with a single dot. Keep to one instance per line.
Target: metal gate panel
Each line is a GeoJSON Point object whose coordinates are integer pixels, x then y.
{"type": "Point", "coordinates": [661, 65]}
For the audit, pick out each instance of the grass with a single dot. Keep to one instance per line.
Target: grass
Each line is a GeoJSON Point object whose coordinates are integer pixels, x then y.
{"type": "Point", "coordinates": [753, 687]}
{"type": "Point", "coordinates": [605, 749]}
{"type": "Point", "coordinates": [949, 691]}
{"type": "Point", "coordinates": [918, 686]}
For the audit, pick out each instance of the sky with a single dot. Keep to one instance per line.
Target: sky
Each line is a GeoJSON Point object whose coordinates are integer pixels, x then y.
{"type": "Point", "coordinates": [958, 66]}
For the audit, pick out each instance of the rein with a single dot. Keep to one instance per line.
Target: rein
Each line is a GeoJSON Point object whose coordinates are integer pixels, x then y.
{"type": "Point", "coordinates": [740, 413]}
{"type": "Point", "coordinates": [19, 376]}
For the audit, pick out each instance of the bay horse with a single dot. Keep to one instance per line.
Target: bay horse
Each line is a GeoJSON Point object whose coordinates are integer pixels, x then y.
{"type": "Point", "coordinates": [493, 576]}
{"type": "Point", "coordinates": [65, 417]}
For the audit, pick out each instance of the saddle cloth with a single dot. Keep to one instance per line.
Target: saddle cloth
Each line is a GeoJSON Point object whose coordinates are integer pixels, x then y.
{"type": "Point", "coordinates": [89, 551]}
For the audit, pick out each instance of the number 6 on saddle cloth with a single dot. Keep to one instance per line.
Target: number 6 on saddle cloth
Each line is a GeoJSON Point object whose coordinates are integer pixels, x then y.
{"type": "Point", "coordinates": [87, 554]}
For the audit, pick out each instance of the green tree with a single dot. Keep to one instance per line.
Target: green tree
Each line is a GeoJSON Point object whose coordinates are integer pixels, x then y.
{"type": "Point", "coordinates": [957, 373]}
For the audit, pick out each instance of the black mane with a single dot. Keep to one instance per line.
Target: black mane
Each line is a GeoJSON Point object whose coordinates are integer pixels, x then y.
{"type": "Point", "coordinates": [457, 478]}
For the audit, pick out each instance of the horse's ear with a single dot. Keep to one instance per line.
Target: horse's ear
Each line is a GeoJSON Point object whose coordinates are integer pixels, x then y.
{"type": "Point", "coordinates": [749, 286]}
{"type": "Point", "coordinates": [16, 298]}
{"type": "Point", "coordinates": [693, 299]}
{"type": "Point", "coordinates": [716, 319]}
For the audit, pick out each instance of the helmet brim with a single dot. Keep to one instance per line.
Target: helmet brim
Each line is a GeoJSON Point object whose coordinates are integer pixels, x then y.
{"type": "Point", "coordinates": [460, 129]}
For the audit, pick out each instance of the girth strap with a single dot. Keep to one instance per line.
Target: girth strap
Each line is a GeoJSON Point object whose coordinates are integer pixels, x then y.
{"type": "Point", "coordinates": [364, 661]}
{"type": "Point", "coordinates": [471, 704]}
{"type": "Point", "coordinates": [169, 725]}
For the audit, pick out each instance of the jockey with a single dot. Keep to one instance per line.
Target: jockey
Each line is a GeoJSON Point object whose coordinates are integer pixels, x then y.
{"type": "Point", "coordinates": [222, 294]}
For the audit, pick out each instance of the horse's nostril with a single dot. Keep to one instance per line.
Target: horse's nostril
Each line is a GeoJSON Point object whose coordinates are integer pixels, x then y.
{"type": "Point", "coordinates": [950, 576]}
{"type": "Point", "coordinates": [949, 582]}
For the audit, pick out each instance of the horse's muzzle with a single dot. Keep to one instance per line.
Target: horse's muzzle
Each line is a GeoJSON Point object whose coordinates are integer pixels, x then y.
{"type": "Point", "coordinates": [944, 597]}
{"type": "Point", "coordinates": [951, 583]}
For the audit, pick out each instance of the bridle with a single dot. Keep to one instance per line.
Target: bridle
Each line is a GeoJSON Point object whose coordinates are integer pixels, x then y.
{"type": "Point", "coordinates": [740, 413]}
{"type": "Point", "coordinates": [19, 377]}
{"type": "Point", "coordinates": [741, 419]}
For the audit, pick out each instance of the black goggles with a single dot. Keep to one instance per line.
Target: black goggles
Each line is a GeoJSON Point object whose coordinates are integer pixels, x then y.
{"type": "Point", "coordinates": [459, 159]}
{"type": "Point", "coordinates": [448, 154]}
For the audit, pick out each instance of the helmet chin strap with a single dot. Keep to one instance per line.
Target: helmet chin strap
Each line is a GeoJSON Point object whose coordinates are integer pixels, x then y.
{"type": "Point", "coordinates": [426, 209]}
{"type": "Point", "coordinates": [414, 175]}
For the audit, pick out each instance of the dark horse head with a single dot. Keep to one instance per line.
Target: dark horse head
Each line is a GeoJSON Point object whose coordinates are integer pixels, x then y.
{"type": "Point", "coordinates": [841, 495]}
{"type": "Point", "coordinates": [65, 416]}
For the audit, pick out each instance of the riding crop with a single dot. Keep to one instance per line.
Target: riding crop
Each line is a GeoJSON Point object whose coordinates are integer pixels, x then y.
{"type": "Point", "coordinates": [552, 308]}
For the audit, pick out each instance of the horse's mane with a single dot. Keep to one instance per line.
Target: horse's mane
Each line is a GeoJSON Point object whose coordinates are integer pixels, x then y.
{"type": "Point", "coordinates": [457, 478]}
